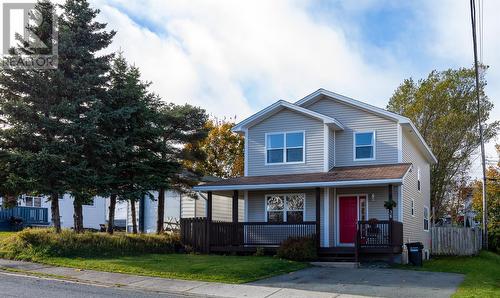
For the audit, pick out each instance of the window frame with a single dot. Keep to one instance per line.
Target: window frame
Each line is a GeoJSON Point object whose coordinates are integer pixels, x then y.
{"type": "Point", "coordinates": [284, 133]}
{"type": "Point", "coordinates": [424, 219]}
{"type": "Point", "coordinates": [285, 206]}
{"type": "Point", "coordinates": [354, 146]}
{"type": "Point", "coordinates": [33, 198]}
{"type": "Point", "coordinates": [412, 210]}
{"type": "Point", "coordinates": [419, 181]}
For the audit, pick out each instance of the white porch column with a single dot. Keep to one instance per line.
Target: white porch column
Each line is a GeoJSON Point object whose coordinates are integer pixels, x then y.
{"type": "Point", "coordinates": [326, 217]}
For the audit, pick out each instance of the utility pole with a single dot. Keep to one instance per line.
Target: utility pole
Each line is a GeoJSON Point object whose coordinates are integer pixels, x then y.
{"type": "Point", "coordinates": [476, 67]}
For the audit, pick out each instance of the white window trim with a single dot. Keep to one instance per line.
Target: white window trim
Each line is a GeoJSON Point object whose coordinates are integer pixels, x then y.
{"type": "Point", "coordinates": [337, 214]}
{"type": "Point", "coordinates": [285, 206]}
{"type": "Point", "coordinates": [32, 201]}
{"type": "Point", "coordinates": [428, 220]}
{"type": "Point", "coordinates": [284, 133]}
{"type": "Point", "coordinates": [419, 181]}
{"type": "Point", "coordinates": [412, 210]}
{"type": "Point", "coordinates": [374, 140]}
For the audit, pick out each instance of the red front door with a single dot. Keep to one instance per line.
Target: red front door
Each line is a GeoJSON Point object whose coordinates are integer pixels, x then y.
{"type": "Point", "coordinates": [348, 215]}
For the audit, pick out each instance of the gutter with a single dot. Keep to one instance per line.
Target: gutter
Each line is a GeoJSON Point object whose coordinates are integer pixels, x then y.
{"type": "Point", "coordinates": [398, 181]}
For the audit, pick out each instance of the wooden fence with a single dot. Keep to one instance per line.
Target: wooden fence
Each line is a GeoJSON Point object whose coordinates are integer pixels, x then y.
{"type": "Point", "coordinates": [455, 241]}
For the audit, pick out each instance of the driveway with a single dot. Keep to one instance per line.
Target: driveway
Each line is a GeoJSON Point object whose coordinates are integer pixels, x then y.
{"type": "Point", "coordinates": [368, 282]}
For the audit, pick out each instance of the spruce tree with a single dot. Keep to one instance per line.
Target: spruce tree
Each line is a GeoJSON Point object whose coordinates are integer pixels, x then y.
{"type": "Point", "coordinates": [51, 114]}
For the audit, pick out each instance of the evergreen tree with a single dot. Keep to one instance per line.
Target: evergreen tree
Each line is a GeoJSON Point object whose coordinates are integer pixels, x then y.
{"type": "Point", "coordinates": [52, 113]}
{"type": "Point", "coordinates": [178, 126]}
{"type": "Point", "coordinates": [127, 127]}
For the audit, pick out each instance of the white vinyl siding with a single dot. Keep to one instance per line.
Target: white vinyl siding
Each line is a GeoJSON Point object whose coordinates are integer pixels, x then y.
{"type": "Point", "coordinates": [356, 119]}
{"type": "Point", "coordinates": [413, 225]}
{"type": "Point", "coordinates": [286, 120]}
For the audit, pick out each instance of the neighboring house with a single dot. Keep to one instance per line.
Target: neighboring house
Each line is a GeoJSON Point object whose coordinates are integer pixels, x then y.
{"type": "Point", "coordinates": [178, 206]}
{"type": "Point", "coordinates": [94, 215]}
{"type": "Point", "coordinates": [323, 167]}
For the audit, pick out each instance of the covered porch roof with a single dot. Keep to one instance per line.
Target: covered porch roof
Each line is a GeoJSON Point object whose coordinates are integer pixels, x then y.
{"type": "Point", "coordinates": [336, 177]}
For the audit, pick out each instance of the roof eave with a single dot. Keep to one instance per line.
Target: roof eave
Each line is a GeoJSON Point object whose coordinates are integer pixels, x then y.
{"type": "Point", "coordinates": [276, 186]}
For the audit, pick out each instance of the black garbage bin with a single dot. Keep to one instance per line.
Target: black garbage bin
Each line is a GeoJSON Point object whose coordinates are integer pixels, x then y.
{"type": "Point", "coordinates": [415, 253]}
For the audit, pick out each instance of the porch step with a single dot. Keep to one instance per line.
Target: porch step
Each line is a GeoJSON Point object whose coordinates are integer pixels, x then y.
{"type": "Point", "coordinates": [336, 264]}
{"type": "Point", "coordinates": [344, 259]}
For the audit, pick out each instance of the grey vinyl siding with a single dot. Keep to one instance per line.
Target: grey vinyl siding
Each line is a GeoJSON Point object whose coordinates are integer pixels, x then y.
{"type": "Point", "coordinates": [376, 207]}
{"type": "Point", "coordinates": [283, 121]}
{"type": "Point", "coordinates": [331, 148]}
{"type": "Point", "coordinates": [413, 226]}
{"type": "Point", "coordinates": [356, 119]}
{"type": "Point", "coordinates": [257, 203]}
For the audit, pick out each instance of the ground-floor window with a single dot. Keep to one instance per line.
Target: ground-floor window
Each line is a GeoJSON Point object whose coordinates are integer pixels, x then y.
{"type": "Point", "coordinates": [285, 208]}
{"type": "Point", "coordinates": [362, 208]}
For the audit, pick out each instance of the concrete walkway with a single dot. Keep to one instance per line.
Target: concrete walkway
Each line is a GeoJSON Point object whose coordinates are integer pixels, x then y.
{"type": "Point", "coordinates": [164, 285]}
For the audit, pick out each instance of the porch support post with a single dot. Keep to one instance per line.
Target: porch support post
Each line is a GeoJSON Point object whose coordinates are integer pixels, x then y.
{"type": "Point", "coordinates": [209, 220]}
{"type": "Point", "coordinates": [318, 214]}
{"type": "Point", "coordinates": [235, 206]}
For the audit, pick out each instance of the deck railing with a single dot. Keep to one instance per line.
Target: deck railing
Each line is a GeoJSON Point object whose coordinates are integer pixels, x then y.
{"type": "Point", "coordinates": [226, 234]}
{"type": "Point", "coordinates": [29, 215]}
{"type": "Point", "coordinates": [380, 233]}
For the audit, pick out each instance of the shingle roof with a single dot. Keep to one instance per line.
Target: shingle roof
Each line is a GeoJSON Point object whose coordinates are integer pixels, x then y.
{"type": "Point", "coordinates": [336, 174]}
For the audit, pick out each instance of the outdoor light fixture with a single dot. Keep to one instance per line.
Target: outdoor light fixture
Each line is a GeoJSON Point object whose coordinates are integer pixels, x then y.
{"type": "Point", "coordinates": [372, 197]}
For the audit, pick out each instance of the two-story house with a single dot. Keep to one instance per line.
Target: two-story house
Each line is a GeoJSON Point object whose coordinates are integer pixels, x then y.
{"type": "Point", "coordinates": [324, 166]}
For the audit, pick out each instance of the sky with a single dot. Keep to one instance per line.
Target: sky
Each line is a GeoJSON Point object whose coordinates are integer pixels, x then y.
{"type": "Point", "coordinates": [234, 58]}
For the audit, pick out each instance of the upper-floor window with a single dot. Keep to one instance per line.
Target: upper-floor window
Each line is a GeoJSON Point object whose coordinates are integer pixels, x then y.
{"type": "Point", "coordinates": [364, 145]}
{"type": "Point", "coordinates": [285, 208]}
{"type": "Point", "coordinates": [412, 207]}
{"type": "Point", "coordinates": [418, 179]}
{"type": "Point", "coordinates": [285, 147]}
{"type": "Point", "coordinates": [426, 218]}
{"type": "Point", "coordinates": [30, 201]}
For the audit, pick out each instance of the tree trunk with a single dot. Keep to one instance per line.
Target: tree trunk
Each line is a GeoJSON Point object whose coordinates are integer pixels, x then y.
{"type": "Point", "coordinates": [111, 218]}
{"type": "Point", "coordinates": [54, 208]}
{"type": "Point", "coordinates": [134, 216]}
{"type": "Point", "coordinates": [78, 215]}
{"type": "Point", "coordinates": [161, 211]}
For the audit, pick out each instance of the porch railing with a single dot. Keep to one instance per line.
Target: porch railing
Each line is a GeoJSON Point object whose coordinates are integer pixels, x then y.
{"type": "Point", "coordinates": [381, 233]}
{"type": "Point", "coordinates": [225, 234]}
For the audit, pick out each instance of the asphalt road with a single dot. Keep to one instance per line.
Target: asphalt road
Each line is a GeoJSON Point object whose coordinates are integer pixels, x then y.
{"type": "Point", "coordinates": [14, 285]}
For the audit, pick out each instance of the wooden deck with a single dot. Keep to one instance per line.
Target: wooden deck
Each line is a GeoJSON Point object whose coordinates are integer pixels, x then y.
{"type": "Point", "coordinates": [373, 238]}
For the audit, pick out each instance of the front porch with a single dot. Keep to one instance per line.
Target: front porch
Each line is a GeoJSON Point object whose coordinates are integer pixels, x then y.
{"type": "Point", "coordinates": [343, 213]}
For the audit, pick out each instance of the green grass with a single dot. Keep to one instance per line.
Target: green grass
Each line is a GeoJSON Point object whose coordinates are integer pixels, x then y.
{"type": "Point", "coordinates": [228, 269]}
{"type": "Point", "coordinates": [482, 273]}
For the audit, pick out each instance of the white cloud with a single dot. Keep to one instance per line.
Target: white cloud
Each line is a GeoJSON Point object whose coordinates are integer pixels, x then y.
{"type": "Point", "coordinates": [233, 58]}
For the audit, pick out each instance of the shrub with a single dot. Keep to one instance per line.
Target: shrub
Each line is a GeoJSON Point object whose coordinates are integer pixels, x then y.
{"type": "Point", "coordinates": [259, 252]}
{"type": "Point", "coordinates": [31, 244]}
{"type": "Point", "coordinates": [494, 238]}
{"type": "Point", "coordinates": [298, 249]}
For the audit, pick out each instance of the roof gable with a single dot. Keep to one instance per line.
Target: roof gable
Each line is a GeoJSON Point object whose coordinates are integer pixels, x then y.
{"type": "Point", "coordinates": [280, 105]}
{"type": "Point", "coordinates": [404, 121]}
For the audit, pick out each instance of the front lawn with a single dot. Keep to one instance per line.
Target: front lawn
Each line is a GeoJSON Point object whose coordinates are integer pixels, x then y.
{"type": "Point", "coordinates": [482, 273]}
{"type": "Point", "coordinates": [228, 269]}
